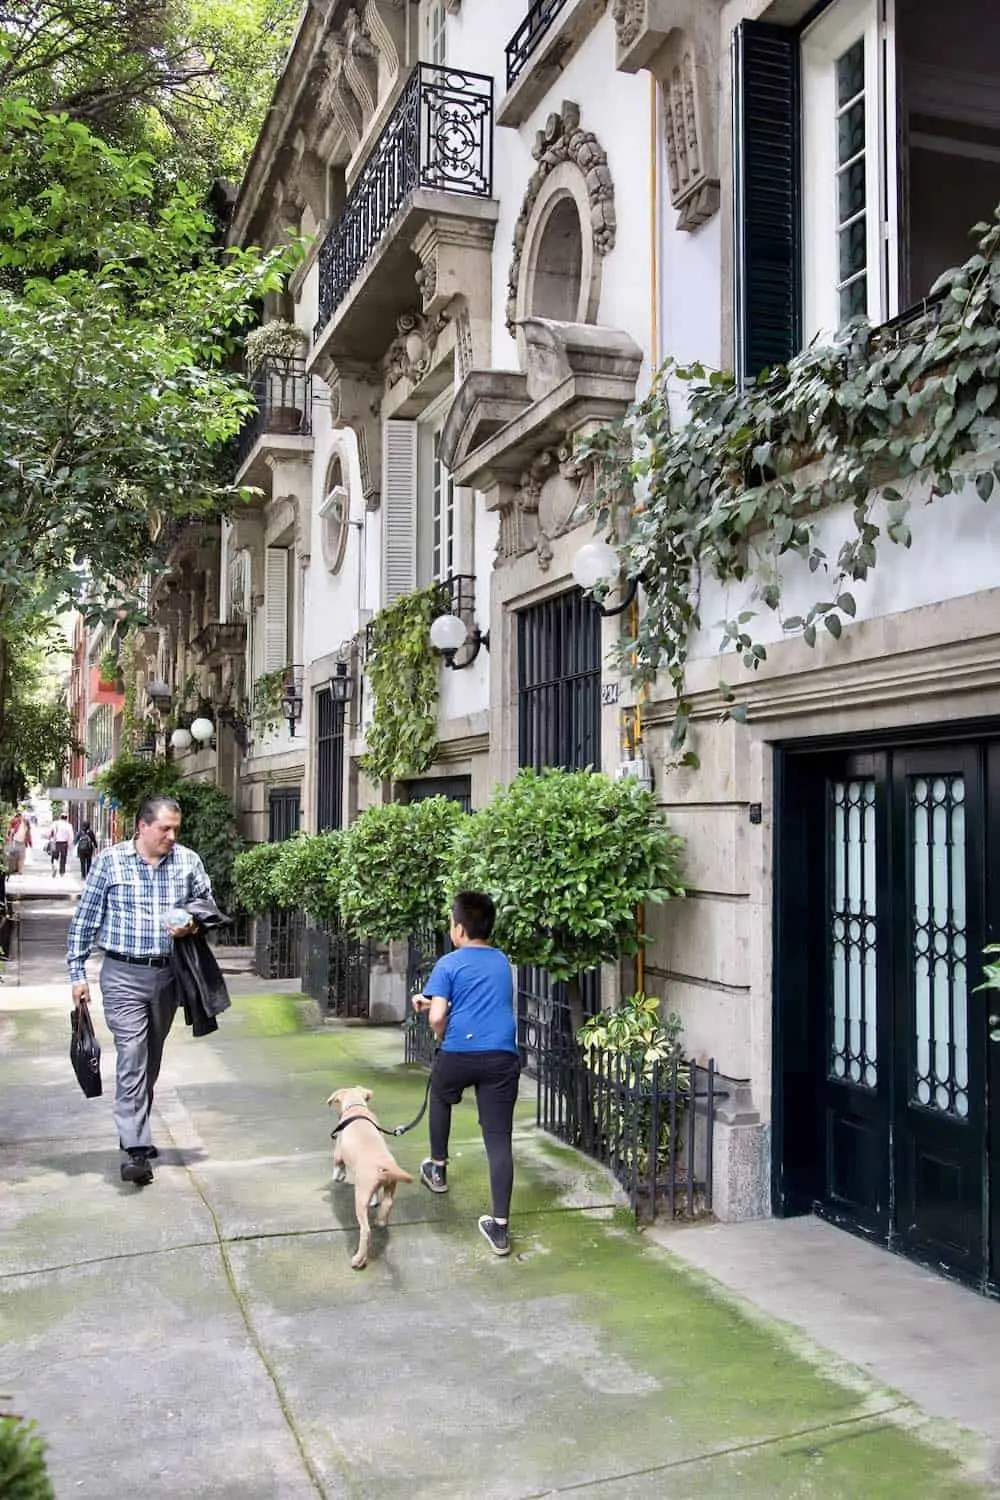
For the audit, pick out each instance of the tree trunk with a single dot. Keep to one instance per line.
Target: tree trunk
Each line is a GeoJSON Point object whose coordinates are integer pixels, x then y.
{"type": "Point", "coordinates": [583, 1089]}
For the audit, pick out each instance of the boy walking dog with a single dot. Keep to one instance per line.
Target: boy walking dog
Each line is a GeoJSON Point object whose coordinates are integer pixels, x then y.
{"type": "Point", "coordinates": [469, 998]}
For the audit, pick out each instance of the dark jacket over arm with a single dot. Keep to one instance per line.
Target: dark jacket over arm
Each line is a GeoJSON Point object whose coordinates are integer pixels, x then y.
{"type": "Point", "coordinates": [201, 989]}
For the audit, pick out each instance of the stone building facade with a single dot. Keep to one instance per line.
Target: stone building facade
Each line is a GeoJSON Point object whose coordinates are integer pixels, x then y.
{"type": "Point", "coordinates": [514, 219]}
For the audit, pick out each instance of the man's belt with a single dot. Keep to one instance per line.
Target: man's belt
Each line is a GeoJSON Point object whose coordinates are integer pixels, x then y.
{"type": "Point", "coordinates": [158, 962]}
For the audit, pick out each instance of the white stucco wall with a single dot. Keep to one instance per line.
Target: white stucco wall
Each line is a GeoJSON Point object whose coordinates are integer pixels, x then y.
{"type": "Point", "coordinates": [955, 551]}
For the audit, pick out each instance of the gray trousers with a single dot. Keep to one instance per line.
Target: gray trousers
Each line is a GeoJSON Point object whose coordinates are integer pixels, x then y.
{"type": "Point", "coordinates": [139, 1007]}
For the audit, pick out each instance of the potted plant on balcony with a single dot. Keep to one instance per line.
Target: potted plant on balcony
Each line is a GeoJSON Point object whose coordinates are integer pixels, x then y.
{"type": "Point", "coordinates": [108, 671]}
{"type": "Point", "coordinates": [271, 352]}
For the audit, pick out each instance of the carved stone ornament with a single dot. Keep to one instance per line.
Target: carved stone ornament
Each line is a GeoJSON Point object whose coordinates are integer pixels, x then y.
{"type": "Point", "coordinates": [693, 191]}
{"type": "Point", "coordinates": [546, 503]}
{"type": "Point", "coordinates": [629, 18]}
{"type": "Point", "coordinates": [562, 140]}
{"type": "Point", "coordinates": [411, 352]}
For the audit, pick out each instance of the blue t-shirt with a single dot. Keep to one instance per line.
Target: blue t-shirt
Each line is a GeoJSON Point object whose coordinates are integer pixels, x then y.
{"type": "Point", "coordinates": [479, 985]}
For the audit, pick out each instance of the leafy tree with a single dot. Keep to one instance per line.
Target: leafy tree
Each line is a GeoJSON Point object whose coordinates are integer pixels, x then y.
{"type": "Point", "coordinates": [208, 825]}
{"type": "Point", "coordinates": [131, 778]}
{"type": "Point", "coordinates": [116, 403]}
{"type": "Point", "coordinates": [307, 876]}
{"type": "Point", "coordinates": [568, 856]}
{"type": "Point", "coordinates": [189, 80]}
{"type": "Point", "coordinates": [394, 865]}
{"type": "Point", "coordinates": [37, 735]}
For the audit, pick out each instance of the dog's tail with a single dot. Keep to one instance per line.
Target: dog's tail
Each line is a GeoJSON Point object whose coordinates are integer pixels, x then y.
{"type": "Point", "coordinates": [393, 1173]}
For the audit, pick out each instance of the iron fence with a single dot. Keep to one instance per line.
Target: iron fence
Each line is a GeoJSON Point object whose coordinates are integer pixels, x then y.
{"type": "Point", "coordinates": [238, 934]}
{"type": "Point", "coordinates": [522, 44]}
{"type": "Point", "coordinates": [282, 393]}
{"type": "Point", "coordinates": [543, 1011]}
{"type": "Point", "coordinates": [425, 948]}
{"type": "Point", "coordinates": [652, 1125]}
{"type": "Point", "coordinates": [335, 971]}
{"type": "Point", "coordinates": [439, 136]}
{"type": "Point", "coordinates": [278, 944]}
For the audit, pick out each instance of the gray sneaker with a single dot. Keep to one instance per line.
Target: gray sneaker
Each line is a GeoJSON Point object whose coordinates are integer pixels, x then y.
{"type": "Point", "coordinates": [434, 1176]}
{"type": "Point", "coordinates": [496, 1235]}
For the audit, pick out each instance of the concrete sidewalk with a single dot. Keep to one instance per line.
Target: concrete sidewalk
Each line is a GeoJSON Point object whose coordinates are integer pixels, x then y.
{"type": "Point", "coordinates": [206, 1337]}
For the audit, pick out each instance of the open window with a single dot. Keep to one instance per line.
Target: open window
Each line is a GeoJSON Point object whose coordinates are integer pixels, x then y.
{"type": "Point", "coordinates": [867, 144]}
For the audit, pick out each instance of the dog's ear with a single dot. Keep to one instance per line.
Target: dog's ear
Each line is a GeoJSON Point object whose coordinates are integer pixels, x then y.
{"type": "Point", "coordinates": [335, 1098]}
{"type": "Point", "coordinates": [367, 1094]}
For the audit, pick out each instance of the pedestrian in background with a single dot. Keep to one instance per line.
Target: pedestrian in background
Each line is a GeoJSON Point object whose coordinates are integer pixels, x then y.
{"type": "Point", "coordinates": [469, 998]}
{"type": "Point", "coordinates": [86, 848]}
{"type": "Point", "coordinates": [127, 908]}
{"type": "Point", "coordinates": [63, 835]}
{"type": "Point", "coordinates": [17, 842]}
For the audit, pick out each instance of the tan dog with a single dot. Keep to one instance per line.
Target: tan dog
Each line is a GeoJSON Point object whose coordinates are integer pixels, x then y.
{"type": "Point", "coordinates": [360, 1149]}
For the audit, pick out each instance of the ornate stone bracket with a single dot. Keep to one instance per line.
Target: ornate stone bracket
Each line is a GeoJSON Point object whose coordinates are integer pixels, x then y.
{"type": "Point", "coordinates": [512, 435]}
{"type": "Point", "coordinates": [677, 41]}
{"type": "Point", "coordinates": [562, 140]}
{"type": "Point", "coordinates": [356, 402]}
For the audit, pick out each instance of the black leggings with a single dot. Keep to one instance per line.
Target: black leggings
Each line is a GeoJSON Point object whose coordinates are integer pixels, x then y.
{"type": "Point", "coordinates": [494, 1075]}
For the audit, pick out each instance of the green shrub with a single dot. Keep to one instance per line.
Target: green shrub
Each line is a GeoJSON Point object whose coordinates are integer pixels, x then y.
{"type": "Point", "coordinates": [253, 877]}
{"type": "Point", "coordinates": [23, 1475]}
{"type": "Point", "coordinates": [208, 825]}
{"type": "Point", "coordinates": [306, 877]}
{"type": "Point", "coordinates": [568, 856]}
{"type": "Point", "coordinates": [393, 868]}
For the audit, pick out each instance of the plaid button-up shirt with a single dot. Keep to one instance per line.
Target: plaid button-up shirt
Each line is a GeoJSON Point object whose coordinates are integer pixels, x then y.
{"type": "Point", "coordinates": [125, 901]}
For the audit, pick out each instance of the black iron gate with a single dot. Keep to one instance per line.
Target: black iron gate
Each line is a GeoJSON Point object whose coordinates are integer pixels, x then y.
{"type": "Point", "coordinates": [330, 717]}
{"type": "Point", "coordinates": [559, 724]}
{"type": "Point", "coordinates": [336, 970]}
{"type": "Point", "coordinates": [278, 936]}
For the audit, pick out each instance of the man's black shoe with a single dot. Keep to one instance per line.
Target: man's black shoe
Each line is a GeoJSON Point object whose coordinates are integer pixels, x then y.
{"type": "Point", "coordinates": [151, 1151]}
{"type": "Point", "coordinates": [137, 1168]}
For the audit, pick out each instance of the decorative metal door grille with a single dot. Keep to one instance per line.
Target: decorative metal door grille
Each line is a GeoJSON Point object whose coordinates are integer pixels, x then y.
{"type": "Point", "coordinates": [853, 1040]}
{"type": "Point", "coordinates": [440, 136]}
{"type": "Point", "coordinates": [941, 1000]}
{"type": "Point", "coordinates": [329, 762]}
{"type": "Point", "coordinates": [559, 724]}
{"type": "Point", "coordinates": [559, 689]}
{"type": "Point", "coordinates": [522, 44]}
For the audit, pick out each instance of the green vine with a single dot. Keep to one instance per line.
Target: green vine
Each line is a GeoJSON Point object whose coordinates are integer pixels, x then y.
{"type": "Point", "coordinates": [744, 482]}
{"type": "Point", "coordinates": [265, 711]}
{"type": "Point", "coordinates": [402, 668]}
{"type": "Point", "coordinates": [108, 668]}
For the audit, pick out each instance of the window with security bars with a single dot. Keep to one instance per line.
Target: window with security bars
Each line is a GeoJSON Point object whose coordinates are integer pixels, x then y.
{"type": "Point", "coordinates": [329, 762]}
{"type": "Point", "coordinates": [559, 724]}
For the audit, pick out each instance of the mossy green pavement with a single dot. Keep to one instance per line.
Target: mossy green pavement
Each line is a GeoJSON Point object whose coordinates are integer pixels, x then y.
{"type": "Point", "coordinates": [207, 1337]}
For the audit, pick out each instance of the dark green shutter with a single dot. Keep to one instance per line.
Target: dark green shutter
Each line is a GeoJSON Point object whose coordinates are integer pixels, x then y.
{"type": "Point", "coordinates": [767, 174]}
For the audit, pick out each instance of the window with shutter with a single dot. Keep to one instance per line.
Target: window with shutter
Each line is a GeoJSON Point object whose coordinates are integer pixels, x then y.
{"type": "Point", "coordinates": [766, 128]}
{"type": "Point", "coordinates": [276, 643]}
{"type": "Point", "coordinates": [848, 167]}
{"type": "Point", "coordinates": [399, 510]}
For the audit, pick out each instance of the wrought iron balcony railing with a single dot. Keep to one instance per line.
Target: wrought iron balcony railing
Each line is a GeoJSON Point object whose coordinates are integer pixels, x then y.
{"type": "Point", "coordinates": [439, 136]}
{"type": "Point", "coordinates": [283, 393]}
{"type": "Point", "coordinates": [541, 14]}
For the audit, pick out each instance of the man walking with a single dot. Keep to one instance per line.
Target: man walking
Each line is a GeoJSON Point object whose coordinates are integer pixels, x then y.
{"type": "Point", "coordinates": [126, 907]}
{"type": "Point", "coordinates": [470, 1000]}
{"type": "Point", "coordinates": [62, 836]}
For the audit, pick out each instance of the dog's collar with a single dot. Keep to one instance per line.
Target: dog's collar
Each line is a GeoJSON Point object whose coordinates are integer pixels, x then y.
{"type": "Point", "coordinates": [349, 1120]}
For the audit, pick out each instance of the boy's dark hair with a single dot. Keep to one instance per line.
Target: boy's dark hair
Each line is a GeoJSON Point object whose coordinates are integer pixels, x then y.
{"type": "Point", "coordinates": [474, 911]}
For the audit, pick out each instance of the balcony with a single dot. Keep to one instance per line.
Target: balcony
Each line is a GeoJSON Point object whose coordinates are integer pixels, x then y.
{"type": "Point", "coordinates": [434, 158]}
{"type": "Point", "coordinates": [541, 47]}
{"type": "Point", "coordinates": [282, 390]}
{"type": "Point", "coordinates": [220, 639]}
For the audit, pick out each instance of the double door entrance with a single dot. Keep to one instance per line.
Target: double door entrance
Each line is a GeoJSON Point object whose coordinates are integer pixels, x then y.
{"type": "Point", "coordinates": [887, 1055]}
